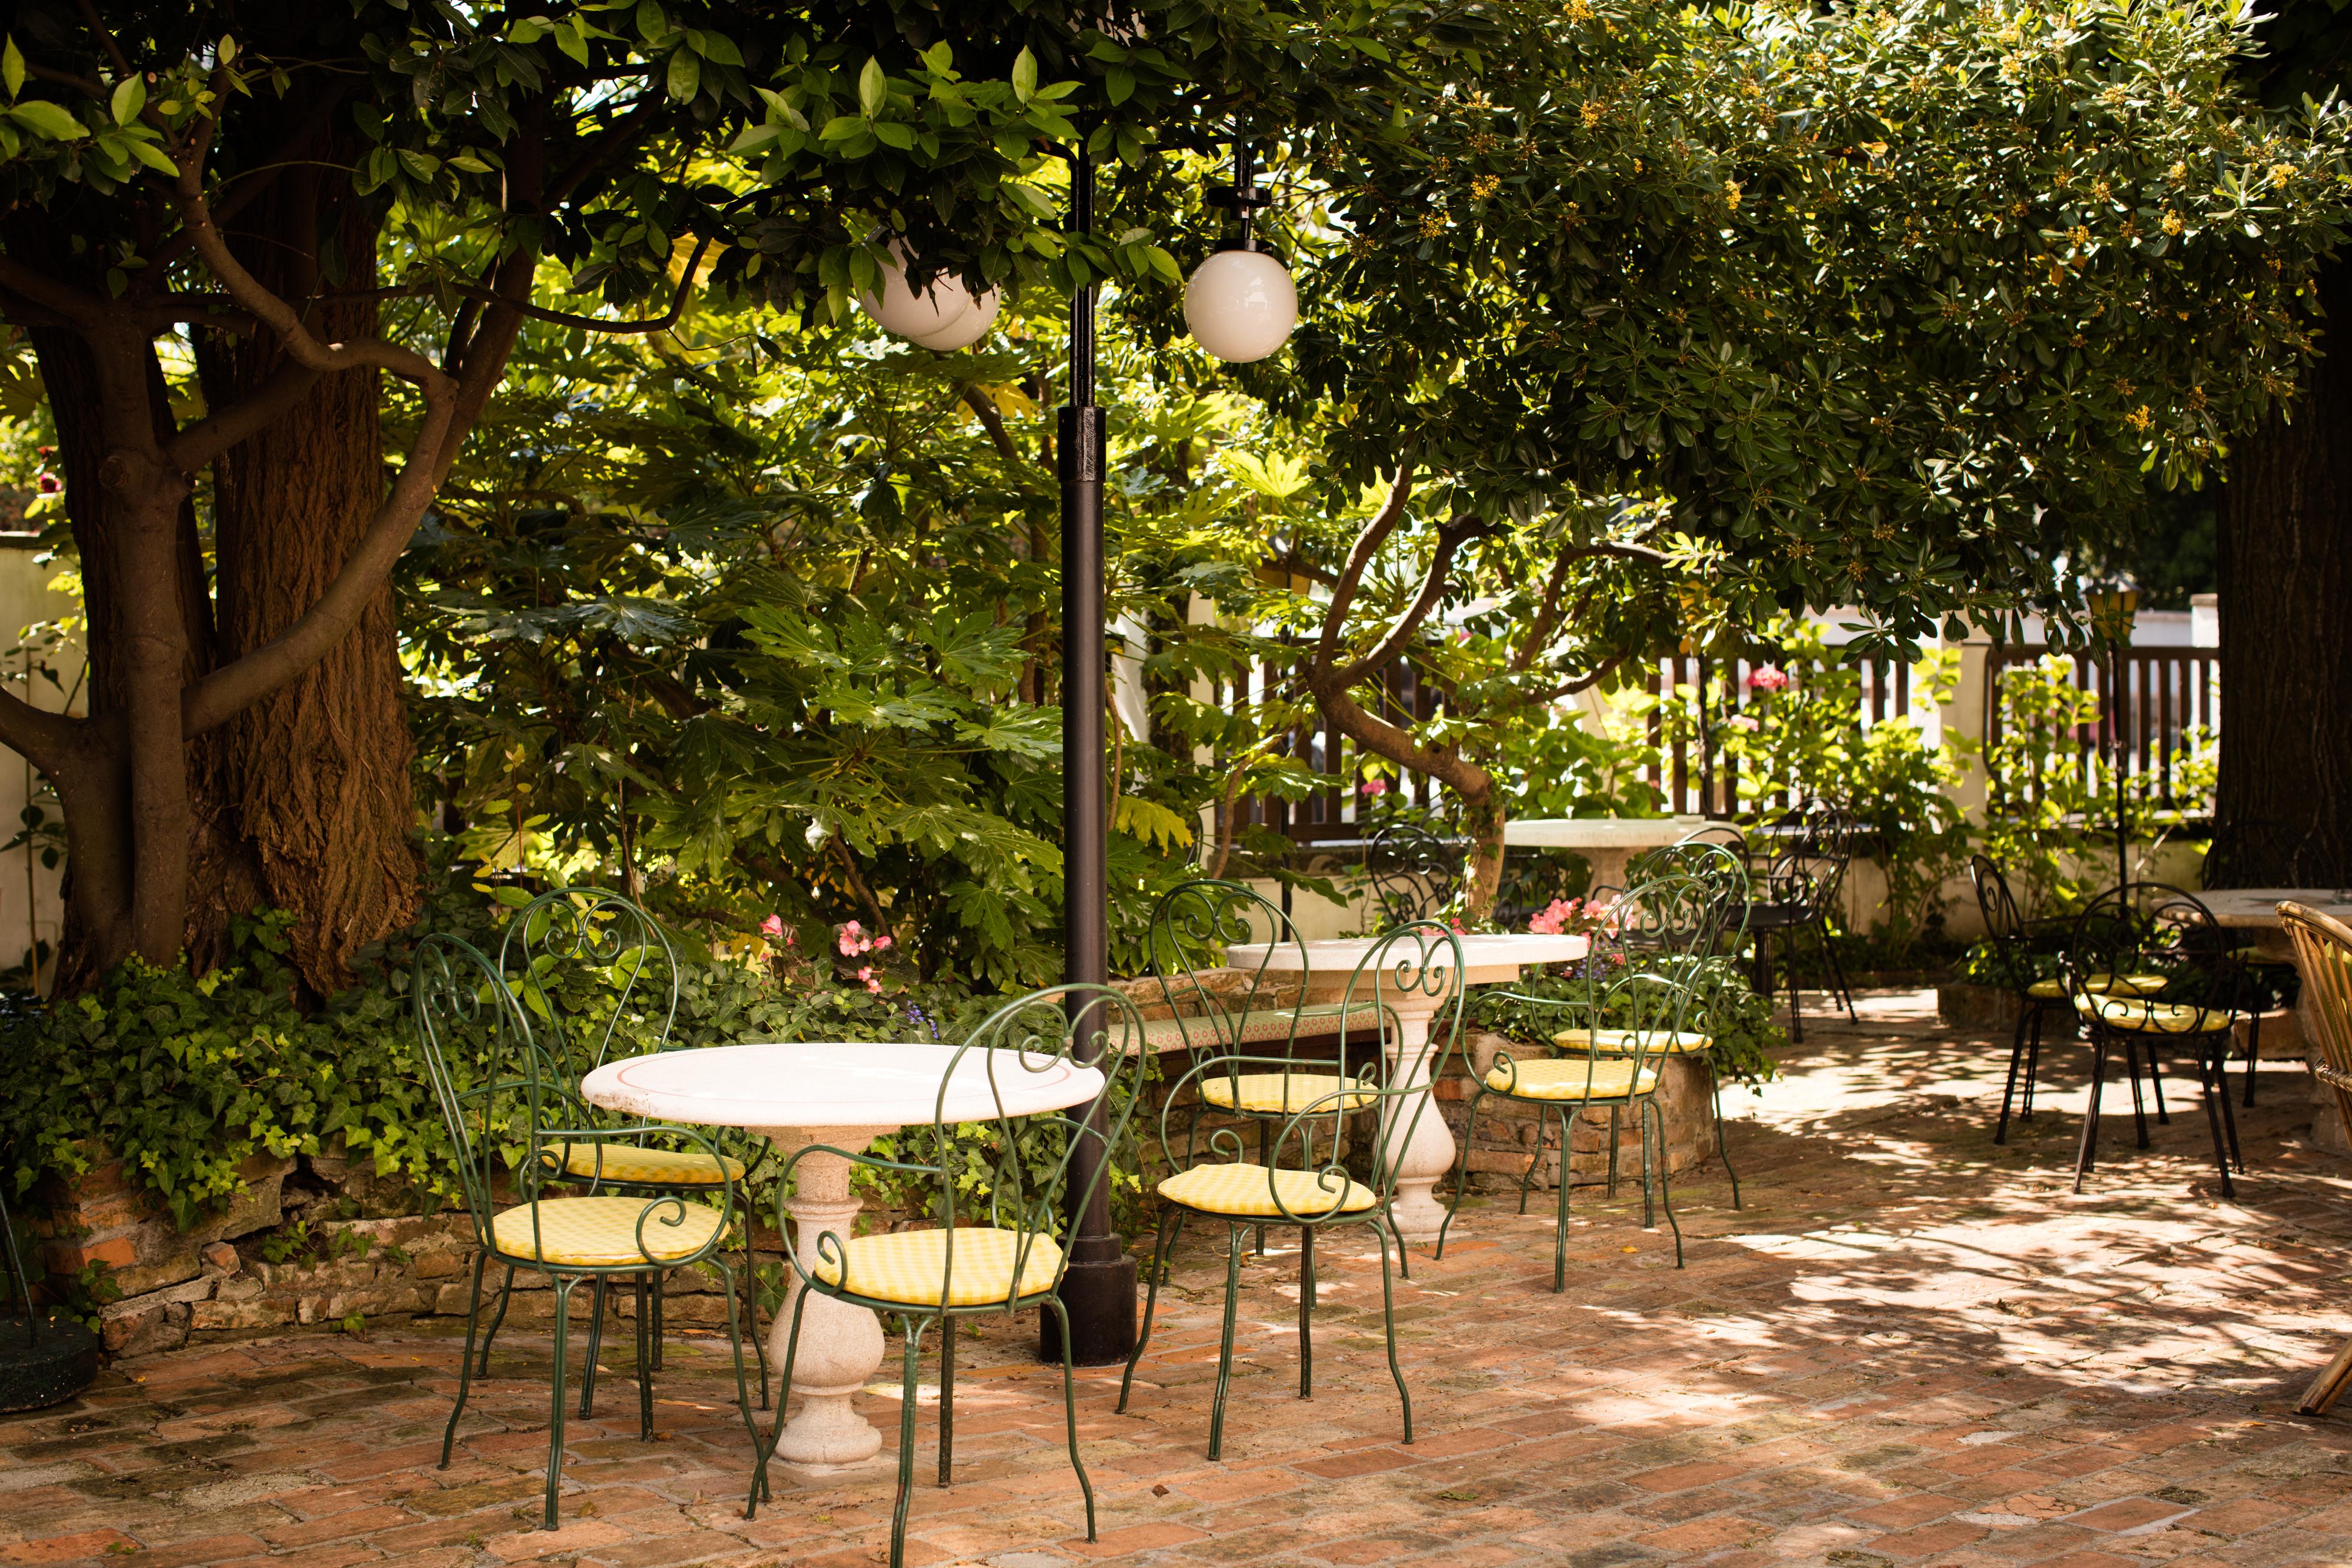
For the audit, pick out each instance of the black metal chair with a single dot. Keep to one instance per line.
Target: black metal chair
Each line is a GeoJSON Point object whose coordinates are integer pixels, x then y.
{"type": "Point", "coordinates": [1414, 873]}
{"type": "Point", "coordinates": [1806, 852]}
{"type": "Point", "coordinates": [2142, 931]}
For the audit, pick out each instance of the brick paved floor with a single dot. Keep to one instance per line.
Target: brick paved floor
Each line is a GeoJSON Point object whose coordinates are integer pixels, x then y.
{"type": "Point", "coordinates": [1911, 1348]}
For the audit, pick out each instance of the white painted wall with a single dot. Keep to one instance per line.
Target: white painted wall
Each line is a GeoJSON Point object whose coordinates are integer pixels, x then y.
{"type": "Point", "coordinates": [29, 901]}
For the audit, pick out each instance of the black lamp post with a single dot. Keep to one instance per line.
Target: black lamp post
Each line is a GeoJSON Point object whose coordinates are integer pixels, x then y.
{"type": "Point", "coordinates": [2113, 607]}
{"type": "Point", "coordinates": [1240, 305]}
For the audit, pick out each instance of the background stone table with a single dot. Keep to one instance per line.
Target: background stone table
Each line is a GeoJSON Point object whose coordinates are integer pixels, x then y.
{"type": "Point", "coordinates": [1605, 843]}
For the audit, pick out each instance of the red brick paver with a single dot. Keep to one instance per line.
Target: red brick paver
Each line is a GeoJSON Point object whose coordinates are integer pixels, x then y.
{"type": "Point", "coordinates": [1910, 1349]}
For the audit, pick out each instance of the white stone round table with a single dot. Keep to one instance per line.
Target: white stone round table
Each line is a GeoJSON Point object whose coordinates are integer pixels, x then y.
{"type": "Point", "coordinates": [2254, 910]}
{"type": "Point", "coordinates": [1485, 961]}
{"type": "Point", "coordinates": [844, 1094]}
{"type": "Point", "coordinates": [1606, 843]}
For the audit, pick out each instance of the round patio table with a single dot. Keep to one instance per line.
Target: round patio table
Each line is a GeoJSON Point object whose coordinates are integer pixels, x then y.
{"type": "Point", "coordinates": [1606, 843]}
{"type": "Point", "coordinates": [2254, 910]}
{"type": "Point", "coordinates": [844, 1094]}
{"type": "Point", "coordinates": [1485, 961]}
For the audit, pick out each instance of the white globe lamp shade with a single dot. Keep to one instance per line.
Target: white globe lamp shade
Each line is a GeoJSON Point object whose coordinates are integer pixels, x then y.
{"type": "Point", "coordinates": [968, 327]}
{"type": "Point", "coordinates": [1240, 305]}
{"type": "Point", "coordinates": [944, 315]}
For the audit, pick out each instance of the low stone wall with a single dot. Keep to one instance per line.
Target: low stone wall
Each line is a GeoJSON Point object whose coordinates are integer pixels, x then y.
{"type": "Point", "coordinates": [318, 1241]}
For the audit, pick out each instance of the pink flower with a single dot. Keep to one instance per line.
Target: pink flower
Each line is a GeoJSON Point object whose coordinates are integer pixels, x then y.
{"type": "Point", "coordinates": [847, 946]}
{"type": "Point", "coordinates": [875, 987]}
{"type": "Point", "coordinates": [49, 485]}
{"type": "Point", "coordinates": [866, 974]}
{"type": "Point", "coordinates": [1742, 721]}
{"type": "Point", "coordinates": [853, 928]}
{"type": "Point", "coordinates": [1768, 678]}
{"type": "Point", "coordinates": [882, 943]}
{"type": "Point", "coordinates": [774, 925]}
{"type": "Point", "coordinates": [1373, 787]}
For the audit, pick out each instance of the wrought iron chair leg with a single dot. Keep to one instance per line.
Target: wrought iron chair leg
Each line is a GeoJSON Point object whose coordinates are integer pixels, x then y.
{"type": "Point", "coordinates": [767, 1450]}
{"type": "Point", "coordinates": [914, 1327]}
{"type": "Point", "coordinates": [661, 1315]}
{"type": "Point", "coordinates": [2090, 1149]}
{"type": "Point", "coordinates": [505, 1289]}
{"type": "Point", "coordinates": [1462, 1170]}
{"type": "Point", "coordinates": [1172, 1220]}
{"type": "Point", "coordinates": [1722, 1149]}
{"type": "Point", "coordinates": [1649, 1203]}
{"type": "Point", "coordinates": [2156, 1087]}
{"type": "Point", "coordinates": [1796, 990]}
{"type": "Point", "coordinates": [2212, 1081]}
{"type": "Point", "coordinates": [595, 1344]}
{"type": "Point", "coordinates": [1837, 970]}
{"type": "Point", "coordinates": [1666, 1175]}
{"type": "Point", "coordinates": [2032, 1063]}
{"type": "Point", "coordinates": [1307, 1311]}
{"type": "Point", "coordinates": [735, 1343]}
{"type": "Point", "coordinates": [2229, 1116]}
{"type": "Point", "coordinates": [2016, 1060]}
{"type": "Point", "coordinates": [2139, 1107]}
{"type": "Point", "coordinates": [1535, 1162]}
{"type": "Point", "coordinates": [563, 1287]}
{"type": "Point", "coordinates": [1266, 1157]}
{"type": "Point", "coordinates": [1070, 1411]}
{"type": "Point", "coordinates": [1559, 1219]}
{"type": "Point", "coordinates": [1568, 1150]}
{"type": "Point", "coordinates": [466, 1366]}
{"type": "Point", "coordinates": [645, 1370]}
{"type": "Point", "coordinates": [2253, 1049]}
{"type": "Point", "coordinates": [752, 1312]}
{"type": "Point", "coordinates": [1225, 1341]}
{"type": "Point", "coordinates": [1388, 1321]}
{"type": "Point", "coordinates": [947, 1398]}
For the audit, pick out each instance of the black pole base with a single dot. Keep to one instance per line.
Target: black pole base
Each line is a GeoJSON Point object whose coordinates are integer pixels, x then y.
{"type": "Point", "coordinates": [1101, 1299]}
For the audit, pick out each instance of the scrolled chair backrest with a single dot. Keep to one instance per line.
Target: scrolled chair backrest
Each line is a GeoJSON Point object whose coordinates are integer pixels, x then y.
{"type": "Point", "coordinates": [2156, 929]}
{"type": "Point", "coordinates": [2323, 950]}
{"type": "Point", "coordinates": [1637, 984]}
{"type": "Point", "coordinates": [1413, 872]}
{"type": "Point", "coordinates": [1809, 847]}
{"type": "Point", "coordinates": [1193, 928]}
{"type": "Point", "coordinates": [1720, 872]}
{"type": "Point", "coordinates": [585, 962]}
{"type": "Point", "coordinates": [2005, 928]}
{"type": "Point", "coordinates": [496, 1085]}
{"type": "Point", "coordinates": [974, 1157]}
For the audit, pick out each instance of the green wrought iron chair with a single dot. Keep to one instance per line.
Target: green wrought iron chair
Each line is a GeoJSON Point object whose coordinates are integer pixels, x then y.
{"type": "Point", "coordinates": [2144, 930]}
{"type": "Point", "coordinates": [993, 1248]}
{"type": "Point", "coordinates": [594, 973]}
{"type": "Point", "coordinates": [1304, 1182]}
{"type": "Point", "coordinates": [498, 1090]}
{"type": "Point", "coordinates": [1193, 928]}
{"type": "Point", "coordinates": [1625, 1015]}
{"type": "Point", "coordinates": [1698, 942]}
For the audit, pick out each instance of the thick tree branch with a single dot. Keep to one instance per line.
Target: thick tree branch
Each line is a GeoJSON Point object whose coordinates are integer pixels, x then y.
{"type": "Point", "coordinates": [44, 739]}
{"type": "Point", "coordinates": [1368, 544]}
{"type": "Point", "coordinates": [1597, 673]}
{"type": "Point", "coordinates": [1451, 538]}
{"type": "Point", "coordinates": [76, 306]}
{"type": "Point", "coordinates": [215, 433]}
{"type": "Point", "coordinates": [661, 323]}
{"type": "Point", "coordinates": [1539, 634]}
{"type": "Point", "coordinates": [992, 420]}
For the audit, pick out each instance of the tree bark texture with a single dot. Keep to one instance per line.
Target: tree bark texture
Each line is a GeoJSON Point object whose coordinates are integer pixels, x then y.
{"type": "Point", "coordinates": [2283, 805]}
{"type": "Point", "coordinates": [307, 792]}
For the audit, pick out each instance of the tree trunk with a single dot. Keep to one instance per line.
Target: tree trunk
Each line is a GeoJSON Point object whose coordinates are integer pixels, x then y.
{"type": "Point", "coordinates": [307, 790]}
{"type": "Point", "coordinates": [2283, 806]}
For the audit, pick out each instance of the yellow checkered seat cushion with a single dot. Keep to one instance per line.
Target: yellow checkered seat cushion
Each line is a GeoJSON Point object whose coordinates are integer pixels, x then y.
{"type": "Point", "coordinates": [1249, 1190]}
{"type": "Point", "coordinates": [916, 1267]}
{"type": "Point", "coordinates": [1284, 1093]}
{"type": "Point", "coordinates": [1570, 1078]}
{"type": "Point", "coordinates": [2154, 1018]}
{"type": "Point", "coordinates": [1258, 1026]}
{"type": "Point", "coordinates": [644, 1167]}
{"type": "Point", "coordinates": [1626, 1041]}
{"type": "Point", "coordinates": [2054, 989]}
{"type": "Point", "coordinates": [602, 1232]}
